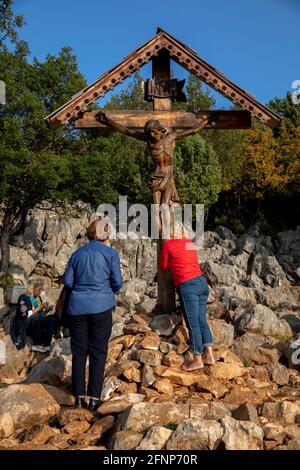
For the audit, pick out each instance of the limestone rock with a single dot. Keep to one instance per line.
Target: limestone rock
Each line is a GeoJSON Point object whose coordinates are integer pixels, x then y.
{"type": "Point", "coordinates": [146, 306]}
{"type": "Point", "coordinates": [223, 333]}
{"type": "Point", "coordinates": [222, 274]}
{"type": "Point", "coordinates": [210, 410]}
{"type": "Point", "coordinates": [196, 434]}
{"type": "Point", "coordinates": [135, 328]}
{"type": "Point", "coordinates": [151, 341]}
{"type": "Point", "coordinates": [210, 384]}
{"type": "Point", "coordinates": [241, 435]}
{"type": "Point", "coordinates": [155, 439]}
{"type": "Point", "coordinates": [78, 414]}
{"type": "Point", "coordinates": [120, 403]}
{"type": "Point", "coordinates": [102, 425]}
{"type": "Point", "coordinates": [172, 359]}
{"type": "Point", "coordinates": [165, 324]}
{"type": "Point", "coordinates": [132, 293]}
{"type": "Point", "coordinates": [274, 432]}
{"type": "Point", "coordinates": [125, 440]}
{"type": "Point", "coordinates": [76, 427]}
{"type": "Point", "coordinates": [227, 371]}
{"type": "Point", "coordinates": [148, 376]}
{"type": "Point", "coordinates": [178, 376]}
{"type": "Point", "coordinates": [257, 349]}
{"type": "Point", "coordinates": [280, 374]}
{"type": "Point", "coordinates": [61, 347]}
{"type": "Point", "coordinates": [149, 357]}
{"type": "Point", "coordinates": [287, 412]}
{"type": "Point", "coordinates": [133, 374]}
{"type": "Point", "coordinates": [62, 397]}
{"type": "Point", "coordinates": [122, 365]}
{"type": "Point", "coordinates": [246, 412]}
{"type": "Point", "coordinates": [163, 386]}
{"type": "Point", "coordinates": [53, 371]}
{"type": "Point", "coordinates": [110, 384]}
{"type": "Point", "coordinates": [24, 406]}
{"type": "Point", "coordinates": [143, 415]}
{"type": "Point", "coordinates": [166, 347]}
{"type": "Point", "coordinates": [262, 320]}
{"type": "Point", "coordinates": [114, 352]}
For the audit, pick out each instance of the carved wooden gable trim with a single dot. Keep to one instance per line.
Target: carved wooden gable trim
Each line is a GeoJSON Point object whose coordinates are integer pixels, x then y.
{"type": "Point", "coordinates": [181, 54]}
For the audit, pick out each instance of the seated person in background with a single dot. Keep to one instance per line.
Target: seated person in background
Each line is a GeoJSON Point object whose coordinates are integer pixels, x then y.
{"type": "Point", "coordinates": [32, 320]}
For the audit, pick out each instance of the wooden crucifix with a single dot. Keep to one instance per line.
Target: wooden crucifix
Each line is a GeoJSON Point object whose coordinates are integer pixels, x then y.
{"type": "Point", "coordinates": [161, 127]}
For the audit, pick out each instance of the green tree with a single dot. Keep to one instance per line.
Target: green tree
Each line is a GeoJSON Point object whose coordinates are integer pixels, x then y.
{"type": "Point", "coordinates": [9, 23]}
{"type": "Point", "coordinates": [32, 160]}
{"type": "Point", "coordinates": [198, 172]}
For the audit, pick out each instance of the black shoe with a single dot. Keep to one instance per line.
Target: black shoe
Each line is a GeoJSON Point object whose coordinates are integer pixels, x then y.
{"type": "Point", "coordinates": [80, 402]}
{"type": "Point", "coordinates": [94, 404]}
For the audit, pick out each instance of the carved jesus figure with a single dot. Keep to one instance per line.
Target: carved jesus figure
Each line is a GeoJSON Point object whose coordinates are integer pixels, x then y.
{"type": "Point", "coordinates": [161, 144]}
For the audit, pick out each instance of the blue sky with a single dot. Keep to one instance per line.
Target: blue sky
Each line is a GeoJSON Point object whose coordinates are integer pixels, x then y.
{"type": "Point", "coordinates": [253, 42]}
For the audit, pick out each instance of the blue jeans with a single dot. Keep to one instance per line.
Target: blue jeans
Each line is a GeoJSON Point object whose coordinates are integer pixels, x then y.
{"type": "Point", "coordinates": [193, 296]}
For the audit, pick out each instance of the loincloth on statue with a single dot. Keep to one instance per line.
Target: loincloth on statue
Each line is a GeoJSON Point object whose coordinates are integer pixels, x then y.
{"type": "Point", "coordinates": [164, 182]}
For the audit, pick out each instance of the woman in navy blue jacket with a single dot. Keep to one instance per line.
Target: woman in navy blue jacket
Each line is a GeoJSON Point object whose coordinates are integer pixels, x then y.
{"type": "Point", "coordinates": [94, 276]}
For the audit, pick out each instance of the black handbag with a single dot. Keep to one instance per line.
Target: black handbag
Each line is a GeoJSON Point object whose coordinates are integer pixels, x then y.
{"type": "Point", "coordinates": [61, 307]}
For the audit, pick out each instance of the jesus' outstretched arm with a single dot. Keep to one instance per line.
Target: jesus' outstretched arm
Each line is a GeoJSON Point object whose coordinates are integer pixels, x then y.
{"type": "Point", "coordinates": [193, 130]}
{"type": "Point", "coordinates": [101, 116]}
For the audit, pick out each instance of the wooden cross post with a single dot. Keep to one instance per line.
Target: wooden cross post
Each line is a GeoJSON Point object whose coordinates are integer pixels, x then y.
{"type": "Point", "coordinates": [161, 70]}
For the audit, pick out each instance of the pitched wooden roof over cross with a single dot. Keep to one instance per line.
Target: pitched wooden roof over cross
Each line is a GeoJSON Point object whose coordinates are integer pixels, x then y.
{"type": "Point", "coordinates": [161, 48]}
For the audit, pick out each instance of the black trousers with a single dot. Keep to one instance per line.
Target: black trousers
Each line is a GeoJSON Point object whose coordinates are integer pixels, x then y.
{"type": "Point", "coordinates": [90, 334]}
{"type": "Point", "coordinates": [41, 329]}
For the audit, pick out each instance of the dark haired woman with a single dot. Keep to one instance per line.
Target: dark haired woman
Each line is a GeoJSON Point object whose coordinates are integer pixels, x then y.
{"type": "Point", "coordinates": [93, 274]}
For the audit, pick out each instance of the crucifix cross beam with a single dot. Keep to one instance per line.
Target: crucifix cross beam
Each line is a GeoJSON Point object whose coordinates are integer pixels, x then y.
{"type": "Point", "coordinates": [136, 119]}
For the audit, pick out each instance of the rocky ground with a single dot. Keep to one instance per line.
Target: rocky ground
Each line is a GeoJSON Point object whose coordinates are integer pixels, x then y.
{"type": "Point", "coordinates": [250, 399]}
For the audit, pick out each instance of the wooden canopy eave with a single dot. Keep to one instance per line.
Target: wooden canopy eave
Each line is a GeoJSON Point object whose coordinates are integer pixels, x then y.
{"type": "Point", "coordinates": [181, 54]}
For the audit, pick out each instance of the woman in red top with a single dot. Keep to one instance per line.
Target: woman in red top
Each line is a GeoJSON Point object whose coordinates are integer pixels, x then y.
{"type": "Point", "coordinates": [180, 257]}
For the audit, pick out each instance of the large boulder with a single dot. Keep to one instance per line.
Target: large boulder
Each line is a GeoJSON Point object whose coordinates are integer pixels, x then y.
{"type": "Point", "coordinates": [155, 439]}
{"type": "Point", "coordinates": [138, 258]}
{"type": "Point", "coordinates": [223, 274]}
{"type": "Point", "coordinates": [51, 235]}
{"type": "Point", "coordinates": [257, 348]}
{"type": "Point", "coordinates": [142, 415]}
{"type": "Point", "coordinates": [21, 265]}
{"type": "Point", "coordinates": [165, 324]}
{"type": "Point", "coordinates": [196, 434]}
{"type": "Point", "coordinates": [25, 406]}
{"type": "Point", "coordinates": [223, 333]}
{"type": "Point", "coordinates": [262, 320]}
{"type": "Point", "coordinates": [241, 435]}
{"type": "Point", "coordinates": [52, 371]}
{"type": "Point", "coordinates": [132, 293]}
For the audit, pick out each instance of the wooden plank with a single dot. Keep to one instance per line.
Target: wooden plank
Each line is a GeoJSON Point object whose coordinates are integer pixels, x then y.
{"type": "Point", "coordinates": [136, 119]}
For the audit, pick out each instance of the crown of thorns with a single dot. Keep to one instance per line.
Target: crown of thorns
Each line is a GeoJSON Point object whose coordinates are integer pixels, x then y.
{"type": "Point", "coordinates": [153, 124]}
